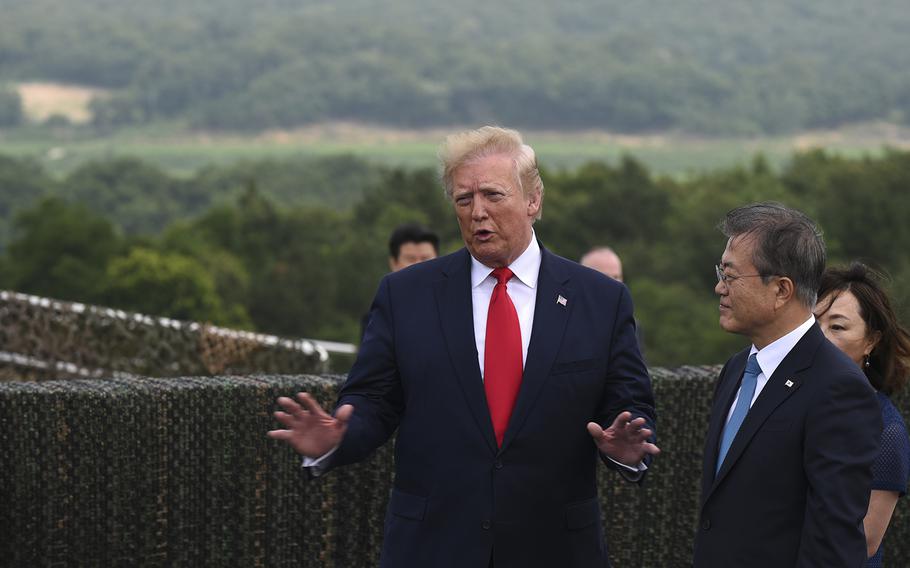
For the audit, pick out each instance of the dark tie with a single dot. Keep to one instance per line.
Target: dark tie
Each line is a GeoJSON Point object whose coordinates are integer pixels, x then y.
{"type": "Point", "coordinates": [502, 355]}
{"type": "Point", "coordinates": [746, 391]}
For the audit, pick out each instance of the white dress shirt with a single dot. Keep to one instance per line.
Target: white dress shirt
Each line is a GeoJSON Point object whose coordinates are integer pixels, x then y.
{"type": "Point", "coordinates": [522, 289]}
{"type": "Point", "coordinates": [770, 358]}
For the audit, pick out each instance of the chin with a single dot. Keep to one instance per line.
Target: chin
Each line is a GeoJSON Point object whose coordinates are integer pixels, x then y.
{"type": "Point", "coordinates": [488, 256]}
{"type": "Point", "coordinates": [492, 262]}
{"type": "Point", "coordinates": [727, 325]}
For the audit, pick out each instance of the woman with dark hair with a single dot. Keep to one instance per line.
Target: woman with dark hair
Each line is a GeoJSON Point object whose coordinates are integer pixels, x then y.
{"type": "Point", "coordinates": [855, 314]}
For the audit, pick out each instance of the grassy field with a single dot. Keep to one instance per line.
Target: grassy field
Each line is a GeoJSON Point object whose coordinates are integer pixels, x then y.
{"type": "Point", "coordinates": [182, 152]}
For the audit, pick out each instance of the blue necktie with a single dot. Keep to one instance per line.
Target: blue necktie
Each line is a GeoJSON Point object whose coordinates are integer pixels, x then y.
{"type": "Point", "coordinates": [747, 389]}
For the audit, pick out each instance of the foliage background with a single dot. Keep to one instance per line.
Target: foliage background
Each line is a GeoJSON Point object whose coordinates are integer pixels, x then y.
{"type": "Point", "coordinates": [297, 248]}
{"type": "Point", "coordinates": [294, 244]}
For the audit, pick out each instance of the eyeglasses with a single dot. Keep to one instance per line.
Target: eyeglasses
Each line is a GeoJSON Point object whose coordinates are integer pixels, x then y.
{"type": "Point", "coordinates": [727, 278]}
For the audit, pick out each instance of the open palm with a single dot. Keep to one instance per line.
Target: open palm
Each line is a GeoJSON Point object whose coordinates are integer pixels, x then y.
{"type": "Point", "coordinates": [309, 429]}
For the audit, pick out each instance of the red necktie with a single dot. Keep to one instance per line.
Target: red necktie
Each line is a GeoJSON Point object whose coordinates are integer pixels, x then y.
{"type": "Point", "coordinates": [502, 355]}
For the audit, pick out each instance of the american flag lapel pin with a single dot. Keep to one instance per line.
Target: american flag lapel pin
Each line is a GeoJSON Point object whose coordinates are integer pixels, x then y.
{"type": "Point", "coordinates": [561, 300]}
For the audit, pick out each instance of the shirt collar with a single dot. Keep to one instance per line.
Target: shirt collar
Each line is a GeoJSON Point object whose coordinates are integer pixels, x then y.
{"type": "Point", "coordinates": [526, 267]}
{"type": "Point", "coordinates": [771, 356]}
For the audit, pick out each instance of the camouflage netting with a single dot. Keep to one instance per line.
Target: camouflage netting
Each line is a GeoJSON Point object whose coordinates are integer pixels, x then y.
{"type": "Point", "coordinates": [45, 339]}
{"type": "Point", "coordinates": [179, 472]}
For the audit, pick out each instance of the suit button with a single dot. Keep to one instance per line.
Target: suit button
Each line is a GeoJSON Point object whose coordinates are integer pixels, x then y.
{"type": "Point", "coordinates": [497, 464]}
{"type": "Point", "coordinates": [486, 525]}
{"type": "Point", "coordinates": [706, 524]}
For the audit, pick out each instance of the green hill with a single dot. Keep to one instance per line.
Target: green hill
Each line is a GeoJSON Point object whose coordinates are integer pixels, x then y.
{"type": "Point", "coordinates": [703, 66]}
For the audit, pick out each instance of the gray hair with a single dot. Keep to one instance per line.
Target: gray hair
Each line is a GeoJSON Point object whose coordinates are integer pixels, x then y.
{"type": "Point", "coordinates": [787, 243]}
{"type": "Point", "coordinates": [459, 149]}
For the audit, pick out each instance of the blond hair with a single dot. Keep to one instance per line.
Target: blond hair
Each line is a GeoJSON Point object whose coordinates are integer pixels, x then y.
{"type": "Point", "coordinates": [463, 147]}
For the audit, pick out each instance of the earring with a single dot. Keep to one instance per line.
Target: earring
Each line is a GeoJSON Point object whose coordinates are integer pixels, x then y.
{"type": "Point", "coordinates": [866, 359]}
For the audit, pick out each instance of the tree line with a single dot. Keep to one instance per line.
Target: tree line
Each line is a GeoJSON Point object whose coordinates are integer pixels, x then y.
{"type": "Point", "coordinates": [715, 67]}
{"type": "Point", "coordinates": [297, 248]}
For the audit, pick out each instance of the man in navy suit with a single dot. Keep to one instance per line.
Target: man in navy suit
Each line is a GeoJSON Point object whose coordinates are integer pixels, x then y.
{"type": "Point", "coordinates": [794, 425]}
{"type": "Point", "coordinates": [508, 372]}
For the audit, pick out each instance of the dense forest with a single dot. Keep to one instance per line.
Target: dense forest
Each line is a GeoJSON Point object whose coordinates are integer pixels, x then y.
{"type": "Point", "coordinates": [296, 248]}
{"type": "Point", "coordinates": [705, 66]}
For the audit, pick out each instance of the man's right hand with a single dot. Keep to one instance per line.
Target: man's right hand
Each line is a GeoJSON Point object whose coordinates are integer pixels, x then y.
{"type": "Point", "coordinates": [310, 430]}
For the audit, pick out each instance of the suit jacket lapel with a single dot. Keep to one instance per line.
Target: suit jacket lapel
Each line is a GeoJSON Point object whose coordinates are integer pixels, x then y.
{"type": "Point", "coordinates": [775, 392]}
{"type": "Point", "coordinates": [726, 392]}
{"type": "Point", "coordinates": [453, 300]}
{"type": "Point", "coordinates": [550, 319]}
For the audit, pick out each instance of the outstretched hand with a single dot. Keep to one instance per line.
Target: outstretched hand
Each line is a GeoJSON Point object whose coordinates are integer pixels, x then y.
{"type": "Point", "coordinates": [625, 441]}
{"type": "Point", "coordinates": [310, 430]}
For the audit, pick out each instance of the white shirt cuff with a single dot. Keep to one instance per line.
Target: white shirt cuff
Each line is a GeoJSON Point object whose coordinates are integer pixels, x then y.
{"type": "Point", "coordinates": [640, 467]}
{"type": "Point", "coordinates": [318, 465]}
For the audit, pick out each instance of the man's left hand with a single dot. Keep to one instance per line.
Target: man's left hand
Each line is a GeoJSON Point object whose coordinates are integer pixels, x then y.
{"type": "Point", "coordinates": [625, 441]}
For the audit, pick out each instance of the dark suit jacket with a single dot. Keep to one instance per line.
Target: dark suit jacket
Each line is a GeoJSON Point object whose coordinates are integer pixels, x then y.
{"type": "Point", "coordinates": [458, 500]}
{"type": "Point", "coordinates": [795, 485]}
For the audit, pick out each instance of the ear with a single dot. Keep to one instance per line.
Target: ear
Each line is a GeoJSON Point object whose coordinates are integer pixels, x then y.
{"type": "Point", "coordinates": [871, 341]}
{"type": "Point", "coordinates": [534, 203]}
{"type": "Point", "coordinates": [784, 291]}
{"type": "Point", "coordinates": [393, 264]}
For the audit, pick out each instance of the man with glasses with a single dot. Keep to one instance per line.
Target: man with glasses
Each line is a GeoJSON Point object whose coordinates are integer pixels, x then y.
{"type": "Point", "coordinates": [794, 425]}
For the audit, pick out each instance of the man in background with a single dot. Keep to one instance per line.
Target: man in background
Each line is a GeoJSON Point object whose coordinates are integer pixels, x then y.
{"type": "Point", "coordinates": [606, 261]}
{"type": "Point", "coordinates": [409, 244]}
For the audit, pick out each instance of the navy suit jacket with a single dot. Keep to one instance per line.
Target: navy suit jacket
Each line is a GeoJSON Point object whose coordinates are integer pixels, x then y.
{"type": "Point", "coordinates": [794, 487]}
{"type": "Point", "coordinates": [459, 500]}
